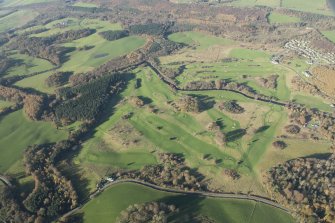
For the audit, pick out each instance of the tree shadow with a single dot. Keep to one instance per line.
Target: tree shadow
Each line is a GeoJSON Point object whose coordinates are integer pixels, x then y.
{"type": "Point", "coordinates": [235, 135]}
{"type": "Point", "coordinates": [74, 218]}
{"type": "Point", "coordinates": [205, 102]}
{"type": "Point", "coordinates": [145, 100]}
{"type": "Point", "coordinates": [321, 156]}
{"type": "Point", "coordinates": [262, 129]}
{"type": "Point", "coordinates": [189, 207]}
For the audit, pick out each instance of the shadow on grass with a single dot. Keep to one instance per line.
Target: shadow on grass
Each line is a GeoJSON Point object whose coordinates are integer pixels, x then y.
{"type": "Point", "coordinates": [262, 129]}
{"type": "Point", "coordinates": [189, 208]}
{"type": "Point", "coordinates": [235, 135]}
{"type": "Point", "coordinates": [73, 171]}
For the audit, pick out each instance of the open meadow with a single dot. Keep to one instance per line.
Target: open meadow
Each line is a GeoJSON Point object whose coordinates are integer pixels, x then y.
{"type": "Point", "coordinates": [15, 127]}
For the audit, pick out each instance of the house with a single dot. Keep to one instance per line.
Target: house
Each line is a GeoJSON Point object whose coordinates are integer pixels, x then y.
{"type": "Point", "coordinates": [307, 73]}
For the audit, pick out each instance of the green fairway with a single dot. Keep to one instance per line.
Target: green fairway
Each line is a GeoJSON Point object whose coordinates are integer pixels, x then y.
{"type": "Point", "coordinates": [313, 102]}
{"type": "Point", "coordinates": [16, 19]}
{"type": "Point", "coordinates": [28, 65]}
{"type": "Point", "coordinates": [278, 18]}
{"type": "Point", "coordinates": [107, 206]}
{"type": "Point", "coordinates": [15, 127]}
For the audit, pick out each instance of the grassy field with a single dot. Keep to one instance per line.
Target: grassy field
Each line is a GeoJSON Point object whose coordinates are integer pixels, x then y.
{"type": "Point", "coordinates": [13, 3]}
{"type": "Point", "coordinates": [103, 51]}
{"type": "Point", "coordinates": [16, 128]}
{"type": "Point", "coordinates": [4, 104]}
{"type": "Point", "coordinates": [28, 65]}
{"type": "Point", "coordinates": [16, 19]}
{"type": "Point", "coordinates": [85, 4]}
{"type": "Point", "coordinates": [107, 206]}
{"type": "Point", "coordinates": [250, 64]}
{"type": "Point", "coordinates": [278, 18]}
{"type": "Point", "coordinates": [201, 40]}
{"type": "Point", "coordinates": [313, 102]}
{"type": "Point", "coordinates": [330, 34]}
{"type": "Point", "coordinates": [37, 82]}
{"type": "Point", "coordinates": [193, 140]}
{"type": "Point", "coordinates": [78, 60]}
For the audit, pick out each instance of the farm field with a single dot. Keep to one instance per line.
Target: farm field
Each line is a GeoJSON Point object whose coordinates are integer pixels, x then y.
{"type": "Point", "coordinates": [85, 4]}
{"type": "Point", "coordinates": [330, 34]}
{"type": "Point", "coordinates": [11, 3]}
{"type": "Point", "coordinates": [107, 206]}
{"type": "Point", "coordinates": [81, 61]}
{"type": "Point", "coordinates": [78, 61]}
{"type": "Point", "coordinates": [16, 19]}
{"type": "Point", "coordinates": [318, 7]}
{"type": "Point", "coordinates": [278, 18]}
{"type": "Point", "coordinates": [15, 127]}
{"type": "Point", "coordinates": [28, 65]}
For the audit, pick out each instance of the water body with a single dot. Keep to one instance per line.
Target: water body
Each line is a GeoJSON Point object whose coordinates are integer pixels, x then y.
{"type": "Point", "coordinates": [331, 5]}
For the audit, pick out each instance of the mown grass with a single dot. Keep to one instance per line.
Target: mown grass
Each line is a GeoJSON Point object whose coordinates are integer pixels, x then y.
{"type": "Point", "coordinates": [16, 19]}
{"type": "Point", "coordinates": [313, 102]}
{"type": "Point", "coordinates": [17, 133]}
{"type": "Point", "coordinates": [278, 18]}
{"type": "Point", "coordinates": [107, 206]}
{"type": "Point", "coordinates": [251, 64]}
{"type": "Point", "coordinates": [189, 130]}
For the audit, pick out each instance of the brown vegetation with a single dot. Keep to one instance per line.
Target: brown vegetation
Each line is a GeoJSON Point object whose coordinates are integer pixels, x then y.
{"type": "Point", "coordinates": [154, 212]}
{"type": "Point", "coordinates": [308, 187]}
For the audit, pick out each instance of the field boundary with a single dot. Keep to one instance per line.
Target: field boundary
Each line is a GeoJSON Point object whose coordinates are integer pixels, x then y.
{"type": "Point", "coordinates": [247, 197]}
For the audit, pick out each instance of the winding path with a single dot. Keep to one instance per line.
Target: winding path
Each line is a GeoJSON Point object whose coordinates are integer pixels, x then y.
{"type": "Point", "coordinates": [247, 197]}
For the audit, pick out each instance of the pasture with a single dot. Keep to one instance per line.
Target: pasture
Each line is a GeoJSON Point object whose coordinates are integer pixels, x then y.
{"type": "Point", "coordinates": [278, 18]}
{"type": "Point", "coordinates": [13, 3]}
{"type": "Point", "coordinates": [15, 127]}
{"type": "Point", "coordinates": [27, 65]}
{"type": "Point", "coordinates": [16, 19]}
{"type": "Point", "coordinates": [330, 34]}
{"type": "Point", "coordinates": [79, 60]}
{"type": "Point", "coordinates": [107, 206]}
{"type": "Point", "coordinates": [85, 4]}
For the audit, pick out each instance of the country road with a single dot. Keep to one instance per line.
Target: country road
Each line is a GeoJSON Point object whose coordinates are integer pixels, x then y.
{"type": "Point", "coordinates": [195, 193]}
{"type": "Point", "coordinates": [5, 181]}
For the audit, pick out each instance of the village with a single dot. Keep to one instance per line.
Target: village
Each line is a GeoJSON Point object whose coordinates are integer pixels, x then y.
{"type": "Point", "coordinates": [313, 56]}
